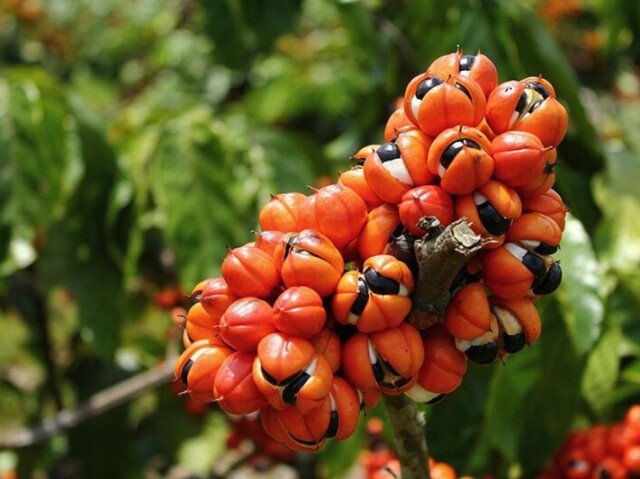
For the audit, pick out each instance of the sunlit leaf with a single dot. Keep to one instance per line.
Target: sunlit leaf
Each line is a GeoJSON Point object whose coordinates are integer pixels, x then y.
{"type": "Point", "coordinates": [580, 294]}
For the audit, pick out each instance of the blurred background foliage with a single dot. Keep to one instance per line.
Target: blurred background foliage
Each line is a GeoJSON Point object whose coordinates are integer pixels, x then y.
{"type": "Point", "coordinates": [138, 139]}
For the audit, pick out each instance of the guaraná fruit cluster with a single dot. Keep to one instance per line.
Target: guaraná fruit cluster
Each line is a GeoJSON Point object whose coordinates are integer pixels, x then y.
{"type": "Point", "coordinates": [308, 323]}
{"type": "Point", "coordinates": [600, 451]}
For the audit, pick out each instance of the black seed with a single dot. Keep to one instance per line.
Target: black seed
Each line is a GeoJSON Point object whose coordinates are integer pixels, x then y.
{"type": "Point", "coordinates": [292, 389]}
{"type": "Point", "coordinates": [541, 89]}
{"type": "Point", "coordinates": [512, 343]}
{"type": "Point", "coordinates": [463, 89]}
{"type": "Point", "coordinates": [522, 102]}
{"type": "Point", "coordinates": [483, 354]}
{"type": "Point", "coordinates": [334, 423]}
{"type": "Point", "coordinates": [536, 265]}
{"type": "Point", "coordinates": [185, 371]}
{"type": "Point", "coordinates": [379, 284]}
{"type": "Point", "coordinates": [464, 277]}
{"type": "Point", "coordinates": [378, 373]}
{"type": "Point", "coordinates": [436, 399]}
{"type": "Point", "coordinates": [401, 382]}
{"type": "Point", "coordinates": [270, 379]}
{"type": "Point", "coordinates": [303, 442]}
{"type": "Point", "coordinates": [551, 280]}
{"type": "Point", "coordinates": [388, 151]}
{"type": "Point", "coordinates": [454, 148]}
{"type": "Point", "coordinates": [545, 249]}
{"type": "Point", "coordinates": [426, 85]}
{"type": "Point", "coordinates": [363, 297]}
{"type": "Point", "coordinates": [493, 222]}
{"type": "Point", "coordinates": [466, 62]}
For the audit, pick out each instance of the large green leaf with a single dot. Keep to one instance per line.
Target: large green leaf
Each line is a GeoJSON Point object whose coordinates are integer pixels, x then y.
{"type": "Point", "coordinates": [601, 372]}
{"type": "Point", "coordinates": [77, 252]}
{"type": "Point", "coordinates": [581, 292]}
{"type": "Point", "coordinates": [39, 160]}
{"type": "Point", "coordinates": [551, 405]}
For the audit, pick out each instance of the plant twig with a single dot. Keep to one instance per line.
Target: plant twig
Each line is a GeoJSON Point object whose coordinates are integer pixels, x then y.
{"type": "Point", "coordinates": [94, 406]}
{"type": "Point", "coordinates": [440, 255]}
{"type": "Point", "coordinates": [408, 426]}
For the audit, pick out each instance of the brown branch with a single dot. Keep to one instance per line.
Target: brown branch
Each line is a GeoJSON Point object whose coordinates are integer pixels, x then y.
{"type": "Point", "coordinates": [94, 406]}
{"type": "Point", "coordinates": [440, 255]}
{"type": "Point", "coordinates": [410, 443]}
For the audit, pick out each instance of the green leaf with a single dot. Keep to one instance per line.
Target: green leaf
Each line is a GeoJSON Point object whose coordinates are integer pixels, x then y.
{"type": "Point", "coordinates": [40, 162]}
{"type": "Point", "coordinates": [514, 381]}
{"type": "Point", "coordinates": [601, 372]}
{"type": "Point", "coordinates": [550, 406]}
{"type": "Point", "coordinates": [581, 293]}
{"type": "Point", "coordinates": [77, 254]}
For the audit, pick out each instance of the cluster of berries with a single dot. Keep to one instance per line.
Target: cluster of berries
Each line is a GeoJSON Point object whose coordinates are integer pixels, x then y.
{"type": "Point", "coordinates": [307, 324]}
{"type": "Point", "coordinates": [601, 451]}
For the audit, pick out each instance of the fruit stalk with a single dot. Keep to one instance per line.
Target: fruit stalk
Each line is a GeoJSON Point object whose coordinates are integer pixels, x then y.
{"type": "Point", "coordinates": [440, 255]}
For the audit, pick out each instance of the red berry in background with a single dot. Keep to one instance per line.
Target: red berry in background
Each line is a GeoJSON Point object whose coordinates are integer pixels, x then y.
{"type": "Point", "coordinates": [335, 211]}
{"type": "Point", "coordinates": [461, 157]}
{"type": "Point", "coordinates": [234, 388]}
{"type": "Point", "coordinates": [610, 468]}
{"type": "Point", "coordinates": [299, 311]}
{"type": "Point", "coordinates": [281, 212]}
{"type": "Point", "coordinates": [246, 322]}
{"type": "Point", "coordinates": [631, 459]}
{"type": "Point", "coordinates": [427, 200]}
{"type": "Point", "coordinates": [249, 271]}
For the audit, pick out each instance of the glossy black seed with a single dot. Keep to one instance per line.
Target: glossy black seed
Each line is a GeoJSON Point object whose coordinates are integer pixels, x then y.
{"type": "Point", "coordinates": [522, 102]}
{"type": "Point", "coordinates": [541, 89]}
{"type": "Point", "coordinates": [483, 354]}
{"type": "Point", "coordinates": [401, 382]}
{"type": "Point", "coordinates": [426, 85]}
{"type": "Point", "coordinates": [334, 424]}
{"type": "Point", "coordinates": [292, 389]}
{"type": "Point", "coordinates": [270, 379]}
{"type": "Point", "coordinates": [466, 62]}
{"type": "Point", "coordinates": [378, 373]}
{"type": "Point", "coordinates": [493, 222]}
{"type": "Point", "coordinates": [545, 249]}
{"type": "Point", "coordinates": [454, 148]}
{"type": "Point", "coordinates": [512, 343]}
{"type": "Point", "coordinates": [463, 89]}
{"type": "Point", "coordinates": [551, 281]}
{"type": "Point", "coordinates": [536, 265]}
{"type": "Point", "coordinates": [388, 151]}
{"type": "Point", "coordinates": [363, 297]}
{"type": "Point", "coordinates": [185, 371]}
{"type": "Point", "coordinates": [436, 399]}
{"type": "Point", "coordinates": [379, 284]}
{"type": "Point", "coordinates": [464, 277]}
{"type": "Point", "coordinates": [389, 368]}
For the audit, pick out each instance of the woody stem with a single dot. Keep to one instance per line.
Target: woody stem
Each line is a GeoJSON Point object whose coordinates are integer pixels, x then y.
{"type": "Point", "coordinates": [440, 255]}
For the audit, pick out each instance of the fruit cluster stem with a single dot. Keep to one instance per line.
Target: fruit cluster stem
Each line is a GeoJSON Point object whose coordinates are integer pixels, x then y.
{"type": "Point", "coordinates": [440, 255]}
